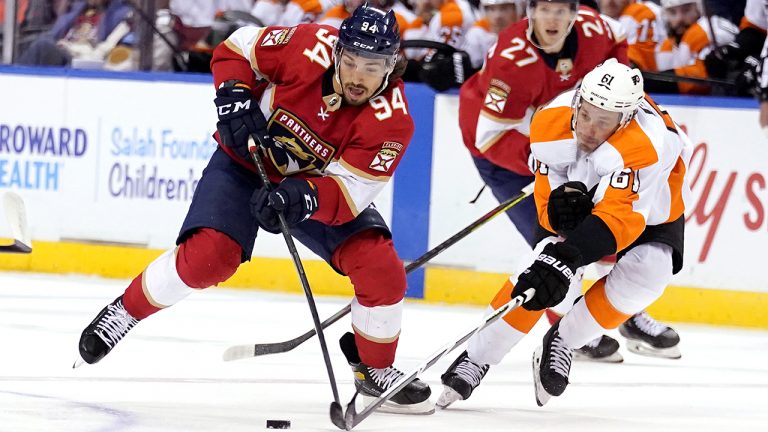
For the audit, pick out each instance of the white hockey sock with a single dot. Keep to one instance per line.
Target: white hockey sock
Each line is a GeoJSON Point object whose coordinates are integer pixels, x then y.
{"type": "Point", "coordinates": [578, 326]}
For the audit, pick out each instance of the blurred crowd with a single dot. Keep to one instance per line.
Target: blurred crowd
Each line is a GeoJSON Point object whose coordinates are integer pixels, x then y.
{"type": "Point", "coordinates": [685, 46]}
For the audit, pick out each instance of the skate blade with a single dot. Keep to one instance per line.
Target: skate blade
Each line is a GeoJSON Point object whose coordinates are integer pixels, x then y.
{"type": "Point", "coordinates": [422, 408]}
{"type": "Point", "coordinates": [613, 358]}
{"type": "Point", "coordinates": [542, 397]}
{"type": "Point", "coordinates": [447, 397]}
{"type": "Point", "coordinates": [648, 350]}
{"type": "Point", "coordinates": [78, 362]}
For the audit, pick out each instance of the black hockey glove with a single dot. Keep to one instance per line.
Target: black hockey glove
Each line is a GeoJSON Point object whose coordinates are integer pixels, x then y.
{"type": "Point", "coordinates": [295, 198]}
{"type": "Point", "coordinates": [746, 79]}
{"type": "Point", "coordinates": [444, 71]}
{"type": "Point", "coordinates": [722, 59]}
{"type": "Point", "coordinates": [239, 116]}
{"type": "Point", "coordinates": [550, 275]}
{"type": "Point", "coordinates": [568, 205]}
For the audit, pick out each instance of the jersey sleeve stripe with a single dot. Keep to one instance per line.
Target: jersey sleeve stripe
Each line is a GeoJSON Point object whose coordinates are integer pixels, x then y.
{"type": "Point", "coordinates": [358, 191]}
{"type": "Point", "coordinates": [243, 41]}
{"type": "Point", "coordinates": [361, 173]}
{"type": "Point", "coordinates": [676, 187]}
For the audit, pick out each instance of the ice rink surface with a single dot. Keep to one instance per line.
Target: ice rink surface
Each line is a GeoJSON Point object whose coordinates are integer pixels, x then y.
{"type": "Point", "coordinates": [167, 375]}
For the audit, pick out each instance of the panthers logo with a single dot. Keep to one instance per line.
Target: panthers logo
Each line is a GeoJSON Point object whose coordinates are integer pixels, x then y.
{"type": "Point", "coordinates": [296, 147]}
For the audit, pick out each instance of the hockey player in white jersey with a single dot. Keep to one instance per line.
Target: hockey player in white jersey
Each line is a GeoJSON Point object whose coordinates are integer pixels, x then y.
{"type": "Point", "coordinates": [610, 170]}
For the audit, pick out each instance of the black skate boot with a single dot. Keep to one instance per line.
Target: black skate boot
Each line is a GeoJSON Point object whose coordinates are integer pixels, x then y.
{"type": "Point", "coordinates": [104, 332]}
{"type": "Point", "coordinates": [460, 379]}
{"type": "Point", "coordinates": [603, 349]}
{"type": "Point", "coordinates": [551, 366]}
{"type": "Point", "coordinates": [648, 337]}
{"type": "Point", "coordinates": [372, 382]}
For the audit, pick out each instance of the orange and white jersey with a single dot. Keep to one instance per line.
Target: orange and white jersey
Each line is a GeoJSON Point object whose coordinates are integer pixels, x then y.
{"type": "Point", "coordinates": [269, 12]}
{"type": "Point", "coordinates": [755, 15]}
{"type": "Point", "coordinates": [305, 11]}
{"type": "Point", "coordinates": [405, 17]}
{"type": "Point", "coordinates": [642, 21]}
{"type": "Point", "coordinates": [334, 17]}
{"type": "Point", "coordinates": [479, 41]}
{"type": "Point", "coordinates": [687, 57]}
{"type": "Point", "coordinates": [639, 173]}
{"type": "Point", "coordinates": [449, 25]}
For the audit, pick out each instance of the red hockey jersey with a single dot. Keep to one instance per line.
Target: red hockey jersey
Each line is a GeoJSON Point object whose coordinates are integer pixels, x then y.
{"type": "Point", "coordinates": [349, 152]}
{"type": "Point", "coordinates": [497, 103]}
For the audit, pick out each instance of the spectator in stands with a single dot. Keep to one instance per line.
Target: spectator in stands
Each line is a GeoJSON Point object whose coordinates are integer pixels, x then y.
{"type": "Point", "coordinates": [690, 37]}
{"type": "Point", "coordinates": [446, 21]}
{"type": "Point", "coordinates": [269, 12]}
{"type": "Point", "coordinates": [496, 15]}
{"type": "Point", "coordinates": [337, 14]}
{"type": "Point", "coordinates": [738, 60]}
{"type": "Point", "coordinates": [643, 24]}
{"type": "Point", "coordinates": [88, 32]}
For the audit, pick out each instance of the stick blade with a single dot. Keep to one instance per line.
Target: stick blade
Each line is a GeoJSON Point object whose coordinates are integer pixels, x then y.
{"type": "Point", "coordinates": [238, 352]}
{"type": "Point", "coordinates": [16, 215]}
{"type": "Point", "coordinates": [337, 416]}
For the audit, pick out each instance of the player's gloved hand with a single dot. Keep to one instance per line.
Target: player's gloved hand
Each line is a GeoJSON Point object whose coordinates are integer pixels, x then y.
{"type": "Point", "coordinates": [295, 198]}
{"type": "Point", "coordinates": [746, 80]}
{"type": "Point", "coordinates": [239, 116]}
{"type": "Point", "coordinates": [721, 59]}
{"type": "Point", "coordinates": [550, 275]}
{"type": "Point", "coordinates": [568, 205]}
{"type": "Point", "coordinates": [444, 71]}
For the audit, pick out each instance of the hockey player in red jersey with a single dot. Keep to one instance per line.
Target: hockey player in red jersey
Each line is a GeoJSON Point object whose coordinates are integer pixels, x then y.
{"type": "Point", "coordinates": [339, 123]}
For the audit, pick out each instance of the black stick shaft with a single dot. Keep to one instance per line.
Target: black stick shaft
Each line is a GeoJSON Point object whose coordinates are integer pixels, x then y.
{"type": "Point", "coordinates": [246, 351]}
{"type": "Point", "coordinates": [299, 268]}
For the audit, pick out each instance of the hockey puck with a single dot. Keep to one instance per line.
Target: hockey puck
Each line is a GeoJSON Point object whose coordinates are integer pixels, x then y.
{"type": "Point", "coordinates": [278, 424]}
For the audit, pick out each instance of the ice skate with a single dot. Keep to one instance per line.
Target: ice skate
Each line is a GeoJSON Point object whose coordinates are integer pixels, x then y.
{"type": "Point", "coordinates": [551, 366]}
{"type": "Point", "coordinates": [604, 349]}
{"type": "Point", "coordinates": [372, 382]}
{"type": "Point", "coordinates": [104, 332]}
{"type": "Point", "coordinates": [461, 378]}
{"type": "Point", "coordinates": [648, 337]}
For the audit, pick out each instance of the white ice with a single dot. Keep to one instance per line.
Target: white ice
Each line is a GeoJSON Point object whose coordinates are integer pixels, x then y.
{"type": "Point", "coordinates": [167, 375]}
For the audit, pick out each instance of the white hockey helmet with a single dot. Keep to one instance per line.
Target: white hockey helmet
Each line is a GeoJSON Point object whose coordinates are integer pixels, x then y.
{"type": "Point", "coordinates": [613, 87]}
{"type": "Point", "coordinates": [666, 4]}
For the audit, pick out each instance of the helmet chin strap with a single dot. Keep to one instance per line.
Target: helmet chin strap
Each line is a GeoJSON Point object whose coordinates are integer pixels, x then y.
{"type": "Point", "coordinates": [337, 76]}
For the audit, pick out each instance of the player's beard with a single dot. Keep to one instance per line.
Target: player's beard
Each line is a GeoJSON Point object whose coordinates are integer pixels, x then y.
{"type": "Point", "coordinates": [355, 94]}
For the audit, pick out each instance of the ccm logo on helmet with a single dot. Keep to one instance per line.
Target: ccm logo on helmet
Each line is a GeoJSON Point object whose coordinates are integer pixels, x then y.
{"type": "Point", "coordinates": [362, 45]}
{"type": "Point", "coordinates": [554, 262]}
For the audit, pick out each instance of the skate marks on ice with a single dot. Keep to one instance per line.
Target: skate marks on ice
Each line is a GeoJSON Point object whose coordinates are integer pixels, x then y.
{"type": "Point", "coordinates": [167, 375]}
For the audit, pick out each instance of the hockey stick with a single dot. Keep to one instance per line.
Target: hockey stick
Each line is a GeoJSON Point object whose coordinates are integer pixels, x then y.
{"type": "Point", "coordinates": [238, 352]}
{"type": "Point", "coordinates": [336, 409]}
{"type": "Point", "coordinates": [663, 77]}
{"type": "Point", "coordinates": [16, 216]}
{"type": "Point", "coordinates": [352, 418]}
